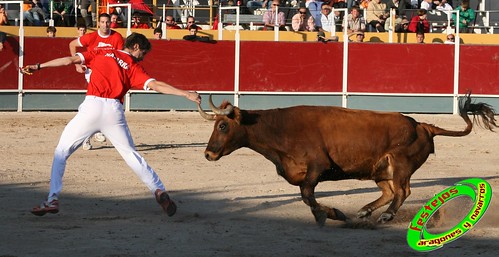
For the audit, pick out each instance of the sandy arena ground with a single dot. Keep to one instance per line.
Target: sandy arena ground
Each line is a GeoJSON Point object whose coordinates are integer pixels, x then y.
{"type": "Point", "coordinates": [237, 206]}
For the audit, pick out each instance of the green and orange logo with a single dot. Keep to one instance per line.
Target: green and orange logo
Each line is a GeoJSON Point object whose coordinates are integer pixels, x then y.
{"type": "Point", "coordinates": [480, 193]}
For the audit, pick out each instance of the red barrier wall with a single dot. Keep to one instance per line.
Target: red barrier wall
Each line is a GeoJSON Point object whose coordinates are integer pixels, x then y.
{"type": "Point", "coordinates": [281, 66]}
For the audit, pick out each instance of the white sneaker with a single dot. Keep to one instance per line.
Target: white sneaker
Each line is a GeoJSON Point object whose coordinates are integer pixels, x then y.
{"type": "Point", "coordinates": [99, 137]}
{"type": "Point", "coordinates": [86, 144]}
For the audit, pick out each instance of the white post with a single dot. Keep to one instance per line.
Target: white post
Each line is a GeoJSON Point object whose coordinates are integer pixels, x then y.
{"type": "Point", "coordinates": [219, 27]}
{"type": "Point", "coordinates": [163, 25]}
{"type": "Point", "coordinates": [457, 43]}
{"type": "Point", "coordinates": [390, 26]}
{"type": "Point", "coordinates": [344, 87]}
{"type": "Point", "coordinates": [76, 13]}
{"type": "Point", "coordinates": [276, 27]}
{"type": "Point", "coordinates": [51, 21]}
{"type": "Point", "coordinates": [237, 48]}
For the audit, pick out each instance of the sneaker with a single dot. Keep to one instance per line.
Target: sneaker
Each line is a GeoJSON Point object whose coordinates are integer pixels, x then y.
{"type": "Point", "coordinates": [99, 137]}
{"type": "Point", "coordinates": [166, 203]}
{"type": "Point", "coordinates": [86, 144]}
{"type": "Point", "coordinates": [46, 207]}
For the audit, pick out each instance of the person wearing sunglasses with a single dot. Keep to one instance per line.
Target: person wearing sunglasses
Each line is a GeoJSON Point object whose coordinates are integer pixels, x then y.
{"type": "Point", "coordinates": [192, 21]}
{"type": "Point", "coordinates": [269, 18]}
{"type": "Point", "coordinates": [451, 39]}
{"type": "Point", "coordinates": [300, 22]}
{"type": "Point", "coordinates": [170, 23]}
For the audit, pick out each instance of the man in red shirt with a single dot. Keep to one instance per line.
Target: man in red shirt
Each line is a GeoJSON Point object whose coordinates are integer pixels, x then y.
{"type": "Point", "coordinates": [114, 73]}
{"type": "Point", "coordinates": [104, 37]}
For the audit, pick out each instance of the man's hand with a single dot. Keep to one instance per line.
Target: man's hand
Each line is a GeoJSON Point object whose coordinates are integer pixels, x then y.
{"type": "Point", "coordinates": [29, 69]}
{"type": "Point", "coordinates": [80, 68]}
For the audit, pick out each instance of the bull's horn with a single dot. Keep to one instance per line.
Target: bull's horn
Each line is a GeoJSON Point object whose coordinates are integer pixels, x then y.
{"type": "Point", "coordinates": [204, 114]}
{"type": "Point", "coordinates": [219, 111]}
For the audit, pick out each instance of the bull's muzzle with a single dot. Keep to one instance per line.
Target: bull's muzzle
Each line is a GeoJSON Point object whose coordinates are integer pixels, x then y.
{"type": "Point", "coordinates": [211, 156]}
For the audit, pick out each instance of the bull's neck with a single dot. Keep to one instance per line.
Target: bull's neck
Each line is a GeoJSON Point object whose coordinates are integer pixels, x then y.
{"type": "Point", "coordinates": [263, 136]}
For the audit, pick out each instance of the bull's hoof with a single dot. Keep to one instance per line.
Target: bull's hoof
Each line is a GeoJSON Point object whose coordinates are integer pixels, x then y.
{"type": "Point", "coordinates": [385, 217]}
{"type": "Point", "coordinates": [363, 214]}
{"type": "Point", "coordinates": [320, 217]}
{"type": "Point", "coordinates": [339, 215]}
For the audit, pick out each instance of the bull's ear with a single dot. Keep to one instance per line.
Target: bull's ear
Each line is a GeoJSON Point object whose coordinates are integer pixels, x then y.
{"type": "Point", "coordinates": [237, 115]}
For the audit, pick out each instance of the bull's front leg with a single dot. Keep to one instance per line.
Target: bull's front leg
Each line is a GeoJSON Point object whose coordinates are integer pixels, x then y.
{"type": "Point", "coordinates": [321, 212]}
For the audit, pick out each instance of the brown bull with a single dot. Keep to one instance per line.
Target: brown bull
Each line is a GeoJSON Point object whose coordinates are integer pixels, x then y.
{"type": "Point", "coordinates": [310, 144]}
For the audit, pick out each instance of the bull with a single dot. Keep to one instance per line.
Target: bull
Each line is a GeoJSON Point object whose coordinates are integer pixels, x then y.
{"type": "Point", "coordinates": [311, 144]}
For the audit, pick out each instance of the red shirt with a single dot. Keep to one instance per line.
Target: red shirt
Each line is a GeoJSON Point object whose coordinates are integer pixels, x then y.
{"type": "Point", "coordinates": [114, 72]}
{"type": "Point", "coordinates": [94, 41]}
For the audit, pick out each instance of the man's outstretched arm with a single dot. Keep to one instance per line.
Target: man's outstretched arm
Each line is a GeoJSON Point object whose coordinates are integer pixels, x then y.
{"type": "Point", "coordinates": [64, 61]}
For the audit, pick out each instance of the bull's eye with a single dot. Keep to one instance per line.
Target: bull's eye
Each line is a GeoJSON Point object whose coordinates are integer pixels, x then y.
{"type": "Point", "coordinates": [222, 126]}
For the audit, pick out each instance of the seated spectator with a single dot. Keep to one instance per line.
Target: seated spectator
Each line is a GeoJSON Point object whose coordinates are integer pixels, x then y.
{"type": "Point", "coordinates": [158, 33]}
{"type": "Point", "coordinates": [114, 21]}
{"type": "Point", "coordinates": [419, 23]}
{"type": "Point", "coordinates": [403, 27]}
{"type": "Point", "coordinates": [192, 21]}
{"type": "Point", "coordinates": [400, 5]}
{"type": "Point", "coordinates": [321, 37]}
{"type": "Point", "coordinates": [359, 37]}
{"type": "Point", "coordinates": [466, 16]}
{"type": "Point", "coordinates": [61, 13]}
{"type": "Point", "coordinates": [269, 18]}
{"type": "Point", "coordinates": [51, 30]}
{"type": "Point", "coordinates": [377, 15]}
{"type": "Point", "coordinates": [396, 21]}
{"type": "Point", "coordinates": [325, 20]}
{"type": "Point", "coordinates": [33, 12]}
{"type": "Point", "coordinates": [355, 23]}
{"type": "Point", "coordinates": [3, 38]}
{"type": "Point", "coordinates": [81, 29]}
{"type": "Point", "coordinates": [170, 23]}
{"type": "Point", "coordinates": [420, 37]}
{"type": "Point", "coordinates": [299, 22]}
{"type": "Point", "coordinates": [427, 5]}
{"type": "Point", "coordinates": [137, 22]}
{"type": "Point", "coordinates": [450, 39]}
{"type": "Point", "coordinates": [193, 30]}
{"type": "Point", "coordinates": [443, 6]}
{"type": "Point", "coordinates": [252, 5]}
{"type": "Point", "coordinates": [4, 20]}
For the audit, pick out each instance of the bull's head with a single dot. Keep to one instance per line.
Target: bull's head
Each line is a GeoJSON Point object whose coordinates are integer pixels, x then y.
{"type": "Point", "coordinates": [227, 135]}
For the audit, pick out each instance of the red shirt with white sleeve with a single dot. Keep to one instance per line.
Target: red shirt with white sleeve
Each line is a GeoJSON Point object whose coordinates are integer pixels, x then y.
{"type": "Point", "coordinates": [94, 40]}
{"type": "Point", "coordinates": [114, 72]}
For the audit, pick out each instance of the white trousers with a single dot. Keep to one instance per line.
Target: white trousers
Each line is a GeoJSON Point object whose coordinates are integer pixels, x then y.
{"type": "Point", "coordinates": [105, 115]}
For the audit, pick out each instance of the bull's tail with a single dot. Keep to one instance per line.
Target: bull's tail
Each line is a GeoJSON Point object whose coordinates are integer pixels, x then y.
{"type": "Point", "coordinates": [483, 115]}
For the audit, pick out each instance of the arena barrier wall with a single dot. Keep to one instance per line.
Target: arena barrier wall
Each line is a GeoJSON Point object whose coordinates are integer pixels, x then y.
{"type": "Point", "coordinates": [395, 77]}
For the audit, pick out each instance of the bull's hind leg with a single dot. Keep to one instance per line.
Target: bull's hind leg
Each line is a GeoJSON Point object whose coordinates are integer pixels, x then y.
{"type": "Point", "coordinates": [386, 187]}
{"type": "Point", "coordinates": [401, 190]}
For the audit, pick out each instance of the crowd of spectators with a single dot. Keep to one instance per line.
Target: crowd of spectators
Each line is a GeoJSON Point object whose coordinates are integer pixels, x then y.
{"type": "Point", "coordinates": [311, 15]}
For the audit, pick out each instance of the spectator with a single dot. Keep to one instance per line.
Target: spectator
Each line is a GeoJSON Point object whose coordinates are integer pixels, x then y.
{"type": "Point", "coordinates": [414, 4]}
{"type": "Point", "coordinates": [338, 16]}
{"type": "Point", "coordinates": [396, 21]}
{"type": "Point", "coordinates": [60, 12]}
{"type": "Point", "coordinates": [420, 37]}
{"type": "Point", "coordinates": [269, 18]}
{"type": "Point", "coordinates": [355, 23]}
{"type": "Point", "coordinates": [377, 15]}
{"type": "Point", "coordinates": [51, 31]}
{"type": "Point", "coordinates": [321, 37]}
{"type": "Point", "coordinates": [299, 22]}
{"type": "Point", "coordinates": [466, 16]}
{"type": "Point", "coordinates": [325, 20]}
{"type": "Point", "coordinates": [252, 5]}
{"type": "Point", "coordinates": [3, 38]}
{"type": "Point", "coordinates": [137, 22]}
{"type": "Point", "coordinates": [427, 5]}
{"type": "Point", "coordinates": [33, 12]}
{"type": "Point", "coordinates": [443, 6]}
{"type": "Point", "coordinates": [193, 31]}
{"type": "Point", "coordinates": [192, 21]}
{"type": "Point", "coordinates": [359, 37]}
{"type": "Point", "coordinates": [403, 27]}
{"type": "Point", "coordinates": [170, 23]}
{"type": "Point", "coordinates": [114, 21]}
{"type": "Point", "coordinates": [400, 5]}
{"type": "Point", "coordinates": [450, 39]}
{"type": "Point", "coordinates": [4, 20]}
{"type": "Point", "coordinates": [419, 23]}
{"type": "Point", "coordinates": [84, 9]}
{"type": "Point", "coordinates": [82, 30]}
{"type": "Point", "coordinates": [158, 33]}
